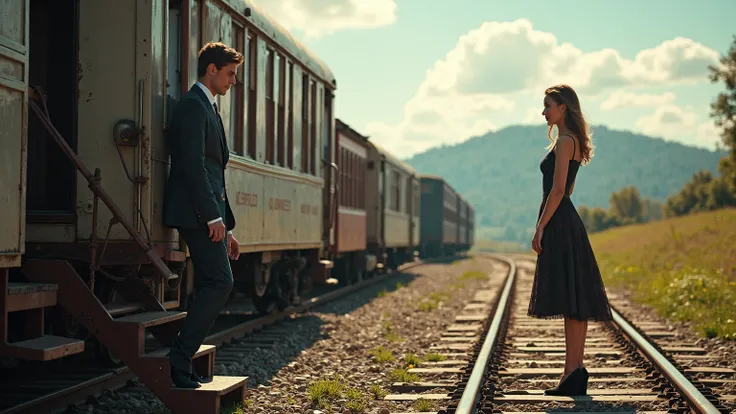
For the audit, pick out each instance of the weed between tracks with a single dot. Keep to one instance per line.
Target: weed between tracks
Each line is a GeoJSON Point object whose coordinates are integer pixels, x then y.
{"type": "Point", "coordinates": [685, 268]}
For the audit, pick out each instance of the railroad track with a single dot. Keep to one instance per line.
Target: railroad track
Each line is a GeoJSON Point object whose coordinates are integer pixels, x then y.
{"type": "Point", "coordinates": [497, 359]}
{"type": "Point", "coordinates": [74, 383]}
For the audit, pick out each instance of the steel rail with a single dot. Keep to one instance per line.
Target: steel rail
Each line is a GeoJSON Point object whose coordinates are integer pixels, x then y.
{"type": "Point", "coordinates": [696, 399]}
{"type": "Point", "coordinates": [472, 392]}
{"type": "Point", "coordinates": [118, 377]}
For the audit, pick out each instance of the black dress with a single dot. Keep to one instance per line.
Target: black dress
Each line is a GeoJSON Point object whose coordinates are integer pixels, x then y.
{"type": "Point", "coordinates": [567, 281]}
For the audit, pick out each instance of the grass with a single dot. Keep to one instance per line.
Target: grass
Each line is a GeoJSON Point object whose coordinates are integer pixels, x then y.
{"type": "Point", "coordinates": [326, 393]}
{"type": "Point", "coordinates": [685, 268]}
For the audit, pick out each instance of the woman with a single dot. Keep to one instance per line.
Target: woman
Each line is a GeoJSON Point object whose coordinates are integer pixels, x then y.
{"type": "Point", "coordinates": [567, 282]}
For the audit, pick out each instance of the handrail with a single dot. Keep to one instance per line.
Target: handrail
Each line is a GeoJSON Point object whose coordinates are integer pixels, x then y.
{"type": "Point", "coordinates": [94, 184]}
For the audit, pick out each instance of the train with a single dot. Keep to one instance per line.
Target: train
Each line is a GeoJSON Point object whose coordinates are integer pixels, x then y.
{"type": "Point", "coordinates": [85, 260]}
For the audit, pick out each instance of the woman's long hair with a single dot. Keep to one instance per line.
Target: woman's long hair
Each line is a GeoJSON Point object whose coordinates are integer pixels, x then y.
{"type": "Point", "coordinates": [574, 119]}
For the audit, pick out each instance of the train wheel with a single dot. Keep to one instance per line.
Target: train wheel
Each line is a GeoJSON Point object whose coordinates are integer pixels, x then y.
{"type": "Point", "coordinates": [261, 277]}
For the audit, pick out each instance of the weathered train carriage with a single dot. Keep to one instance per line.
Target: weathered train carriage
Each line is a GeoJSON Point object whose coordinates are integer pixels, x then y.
{"type": "Point", "coordinates": [350, 241]}
{"type": "Point", "coordinates": [279, 121]}
{"type": "Point", "coordinates": [439, 227]}
{"type": "Point", "coordinates": [105, 68]}
{"type": "Point", "coordinates": [392, 197]}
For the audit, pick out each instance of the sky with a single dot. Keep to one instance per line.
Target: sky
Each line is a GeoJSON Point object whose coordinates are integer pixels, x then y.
{"type": "Point", "coordinates": [415, 74]}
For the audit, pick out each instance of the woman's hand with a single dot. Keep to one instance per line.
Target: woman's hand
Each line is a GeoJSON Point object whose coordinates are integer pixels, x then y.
{"type": "Point", "coordinates": [537, 240]}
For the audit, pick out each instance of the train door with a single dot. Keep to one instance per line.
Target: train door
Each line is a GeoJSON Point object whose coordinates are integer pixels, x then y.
{"type": "Point", "coordinates": [14, 113]}
{"type": "Point", "coordinates": [51, 176]}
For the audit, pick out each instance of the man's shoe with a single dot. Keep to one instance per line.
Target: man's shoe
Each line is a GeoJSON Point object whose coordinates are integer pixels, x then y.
{"type": "Point", "coordinates": [182, 380]}
{"type": "Point", "coordinates": [196, 378]}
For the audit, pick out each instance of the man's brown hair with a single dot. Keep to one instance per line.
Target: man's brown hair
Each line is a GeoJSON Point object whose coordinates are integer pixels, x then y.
{"type": "Point", "coordinates": [217, 53]}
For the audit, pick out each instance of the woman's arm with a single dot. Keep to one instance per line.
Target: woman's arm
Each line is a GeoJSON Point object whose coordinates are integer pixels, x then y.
{"type": "Point", "coordinates": [563, 152]}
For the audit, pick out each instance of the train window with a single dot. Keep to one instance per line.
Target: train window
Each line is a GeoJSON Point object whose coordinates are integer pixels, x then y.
{"type": "Point", "coordinates": [236, 136]}
{"type": "Point", "coordinates": [395, 191]}
{"type": "Point", "coordinates": [280, 95]}
{"type": "Point", "coordinates": [290, 115]}
{"type": "Point", "coordinates": [173, 76]}
{"type": "Point", "coordinates": [408, 196]}
{"type": "Point", "coordinates": [251, 43]}
{"type": "Point", "coordinates": [298, 103]}
{"type": "Point", "coordinates": [270, 136]}
{"type": "Point", "coordinates": [305, 124]}
{"type": "Point", "coordinates": [326, 125]}
{"type": "Point", "coordinates": [415, 205]}
{"type": "Point", "coordinates": [313, 127]}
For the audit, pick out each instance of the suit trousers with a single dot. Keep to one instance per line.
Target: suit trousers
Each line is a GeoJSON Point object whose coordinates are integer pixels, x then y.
{"type": "Point", "coordinates": [213, 281]}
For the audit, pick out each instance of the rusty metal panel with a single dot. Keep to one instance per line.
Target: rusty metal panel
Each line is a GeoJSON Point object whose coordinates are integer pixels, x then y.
{"type": "Point", "coordinates": [14, 19]}
{"type": "Point", "coordinates": [109, 92]}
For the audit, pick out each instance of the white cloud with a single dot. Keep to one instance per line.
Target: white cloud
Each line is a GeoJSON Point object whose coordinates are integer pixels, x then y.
{"type": "Point", "coordinates": [492, 67]}
{"type": "Point", "coordinates": [623, 99]}
{"type": "Point", "coordinates": [319, 18]}
{"type": "Point", "coordinates": [672, 121]}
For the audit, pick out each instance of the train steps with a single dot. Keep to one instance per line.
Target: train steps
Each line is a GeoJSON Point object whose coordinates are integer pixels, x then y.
{"type": "Point", "coordinates": [125, 337]}
{"type": "Point", "coordinates": [29, 300]}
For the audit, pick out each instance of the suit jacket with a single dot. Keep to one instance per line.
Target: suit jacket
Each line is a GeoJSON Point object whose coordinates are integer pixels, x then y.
{"type": "Point", "coordinates": [195, 191]}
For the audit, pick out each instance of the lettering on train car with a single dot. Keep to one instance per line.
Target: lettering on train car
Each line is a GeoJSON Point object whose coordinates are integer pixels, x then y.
{"type": "Point", "coordinates": [248, 199]}
{"type": "Point", "coordinates": [308, 209]}
{"type": "Point", "coordinates": [279, 204]}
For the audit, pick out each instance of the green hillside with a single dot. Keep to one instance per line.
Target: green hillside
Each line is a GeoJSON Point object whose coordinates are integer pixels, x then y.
{"type": "Point", "coordinates": [499, 173]}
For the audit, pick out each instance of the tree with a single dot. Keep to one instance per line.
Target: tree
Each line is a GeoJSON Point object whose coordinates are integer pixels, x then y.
{"type": "Point", "coordinates": [723, 109]}
{"type": "Point", "coordinates": [627, 206]}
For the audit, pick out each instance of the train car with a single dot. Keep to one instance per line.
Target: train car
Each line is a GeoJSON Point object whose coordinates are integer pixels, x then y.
{"type": "Point", "coordinates": [349, 246]}
{"type": "Point", "coordinates": [110, 72]}
{"type": "Point", "coordinates": [471, 227]}
{"type": "Point", "coordinates": [439, 217]}
{"type": "Point", "coordinates": [392, 203]}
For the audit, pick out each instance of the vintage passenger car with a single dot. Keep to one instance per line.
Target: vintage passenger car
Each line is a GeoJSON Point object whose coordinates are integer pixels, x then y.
{"type": "Point", "coordinates": [392, 197]}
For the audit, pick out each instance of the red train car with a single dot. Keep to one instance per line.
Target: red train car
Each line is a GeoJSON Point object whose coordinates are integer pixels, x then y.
{"type": "Point", "coordinates": [348, 239]}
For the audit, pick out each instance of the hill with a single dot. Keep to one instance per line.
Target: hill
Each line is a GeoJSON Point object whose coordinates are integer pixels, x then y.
{"type": "Point", "coordinates": [499, 173]}
{"type": "Point", "coordinates": [684, 267]}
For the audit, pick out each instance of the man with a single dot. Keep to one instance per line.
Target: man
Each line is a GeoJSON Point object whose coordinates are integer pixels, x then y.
{"type": "Point", "coordinates": [196, 203]}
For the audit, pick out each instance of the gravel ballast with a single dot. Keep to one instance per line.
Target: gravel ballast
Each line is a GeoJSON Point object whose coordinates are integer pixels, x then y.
{"type": "Point", "coordinates": [360, 342]}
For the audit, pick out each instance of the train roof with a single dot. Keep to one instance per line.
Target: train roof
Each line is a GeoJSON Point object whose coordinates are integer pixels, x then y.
{"type": "Point", "coordinates": [394, 160]}
{"type": "Point", "coordinates": [285, 39]}
{"type": "Point", "coordinates": [432, 177]}
{"type": "Point", "coordinates": [350, 132]}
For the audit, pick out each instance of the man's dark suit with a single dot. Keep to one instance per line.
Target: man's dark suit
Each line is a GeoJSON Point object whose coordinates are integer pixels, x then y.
{"type": "Point", "coordinates": [195, 195]}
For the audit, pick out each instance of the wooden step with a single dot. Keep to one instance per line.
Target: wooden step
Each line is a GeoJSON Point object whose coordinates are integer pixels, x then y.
{"type": "Point", "coordinates": [210, 398]}
{"type": "Point", "coordinates": [25, 296]}
{"type": "Point", "coordinates": [203, 361]}
{"type": "Point", "coordinates": [44, 348]}
{"type": "Point", "coordinates": [150, 319]}
{"type": "Point", "coordinates": [117, 309]}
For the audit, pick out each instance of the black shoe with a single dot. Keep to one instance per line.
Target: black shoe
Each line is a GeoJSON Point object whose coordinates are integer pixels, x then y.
{"type": "Point", "coordinates": [196, 378]}
{"type": "Point", "coordinates": [182, 380]}
{"type": "Point", "coordinates": [575, 384]}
